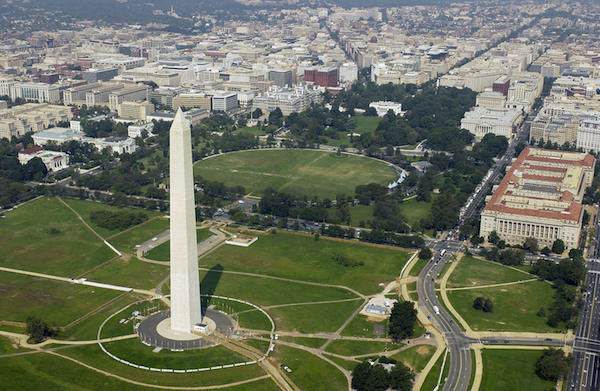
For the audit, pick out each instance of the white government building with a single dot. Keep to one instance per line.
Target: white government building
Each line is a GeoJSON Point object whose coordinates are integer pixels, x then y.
{"type": "Point", "coordinates": [481, 121]}
{"type": "Point", "coordinates": [540, 197]}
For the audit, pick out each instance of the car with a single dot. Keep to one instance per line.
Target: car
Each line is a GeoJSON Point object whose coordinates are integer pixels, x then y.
{"type": "Point", "coordinates": [154, 239]}
{"type": "Point", "coordinates": [548, 339]}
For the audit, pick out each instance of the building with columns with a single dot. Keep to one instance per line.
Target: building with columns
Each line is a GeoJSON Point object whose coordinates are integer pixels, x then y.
{"type": "Point", "coordinates": [540, 197]}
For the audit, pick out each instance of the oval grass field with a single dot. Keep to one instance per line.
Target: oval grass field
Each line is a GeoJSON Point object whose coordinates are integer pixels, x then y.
{"type": "Point", "coordinates": [300, 172]}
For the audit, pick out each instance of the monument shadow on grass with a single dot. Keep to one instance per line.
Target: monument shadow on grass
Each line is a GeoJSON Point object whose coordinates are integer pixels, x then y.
{"type": "Point", "coordinates": [208, 285]}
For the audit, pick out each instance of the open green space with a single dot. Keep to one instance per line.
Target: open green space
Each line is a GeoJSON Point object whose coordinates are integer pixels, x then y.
{"type": "Point", "coordinates": [253, 130]}
{"type": "Point", "coordinates": [418, 267]}
{"type": "Point", "coordinates": [92, 355]}
{"type": "Point", "coordinates": [358, 348]}
{"type": "Point", "coordinates": [308, 371]}
{"type": "Point", "coordinates": [50, 300]}
{"type": "Point", "coordinates": [7, 346]}
{"type": "Point", "coordinates": [47, 237]}
{"type": "Point", "coordinates": [87, 329]}
{"type": "Point", "coordinates": [313, 318]}
{"type": "Point", "coordinates": [415, 357]}
{"type": "Point", "coordinates": [162, 252]}
{"type": "Point", "coordinates": [413, 211]}
{"type": "Point", "coordinates": [349, 364]}
{"type": "Point", "coordinates": [361, 327]}
{"type": "Point", "coordinates": [247, 316]}
{"type": "Point", "coordinates": [433, 376]}
{"type": "Point", "coordinates": [299, 172]}
{"type": "Point", "coordinates": [309, 342]}
{"type": "Point", "coordinates": [84, 208]}
{"type": "Point", "coordinates": [133, 350]}
{"type": "Point", "coordinates": [267, 291]}
{"type": "Point", "coordinates": [365, 124]}
{"type": "Point", "coordinates": [52, 373]}
{"type": "Point", "coordinates": [512, 370]}
{"type": "Point", "coordinates": [127, 240]}
{"type": "Point", "coordinates": [475, 272]}
{"type": "Point", "coordinates": [515, 307]}
{"type": "Point", "coordinates": [259, 344]}
{"type": "Point", "coordinates": [301, 258]}
{"type": "Point", "coordinates": [131, 273]}
{"type": "Point", "coordinates": [360, 213]}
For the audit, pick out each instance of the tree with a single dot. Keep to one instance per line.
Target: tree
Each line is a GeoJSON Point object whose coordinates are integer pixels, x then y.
{"type": "Point", "coordinates": [553, 364]}
{"type": "Point", "coordinates": [402, 320]}
{"type": "Point", "coordinates": [257, 113]}
{"type": "Point", "coordinates": [360, 375]}
{"type": "Point", "coordinates": [493, 237]}
{"type": "Point", "coordinates": [37, 329]}
{"type": "Point", "coordinates": [558, 246]}
{"type": "Point", "coordinates": [425, 253]}
{"type": "Point", "coordinates": [531, 245]}
{"type": "Point", "coordinates": [488, 306]}
{"type": "Point", "coordinates": [401, 378]}
{"type": "Point", "coordinates": [546, 250]}
{"type": "Point", "coordinates": [478, 303]}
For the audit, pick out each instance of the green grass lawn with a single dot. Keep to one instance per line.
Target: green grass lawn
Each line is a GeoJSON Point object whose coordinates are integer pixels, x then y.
{"type": "Point", "coordinates": [51, 373]}
{"type": "Point", "coordinates": [52, 301]}
{"type": "Point", "coordinates": [413, 211]}
{"type": "Point", "coordinates": [515, 307]}
{"type": "Point", "coordinates": [300, 172]}
{"type": "Point", "coordinates": [131, 273]}
{"type": "Point", "coordinates": [310, 372]}
{"type": "Point", "coordinates": [512, 370]}
{"type": "Point", "coordinates": [434, 374]}
{"type": "Point", "coordinates": [138, 235]}
{"type": "Point", "coordinates": [301, 258]}
{"type": "Point", "coordinates": [85, 208]}
{"type": "Point", "coordinates": [313, 318]}
{"type": "Point", "coordinates": [418, 267]}
{"type": "Point", "coordinates": [8, 347]}
{"type": "Point", "coordinates": [356, 348]}
{"type": "Point", "coordinates": [133, 350]}
{"type": "Point", "coordinates": [475, 272]}
{"type": "Point", "coordinates": [360, 213]}
{"type": "Point", "coordinates": [416, 357]}
{"type": "Point", "coordinates": [310, 342]}
{"type": "Point", "coordinates": [162, 252]}
{"type": "Point", "coordinates": [95, 357]}
{"type": "Point", "coordinates": [366, 124]}
{"type": "Point", "coordinates": [267, 291]}
{"type": "Point", "coordinates": [361, 327]}
{"type": "Point", "coordinates": [27, 242]}
{"type": "Point", "coordinates": [87, 329]}
{"type": "Point", "coordinates": [346, 364]}
{"type": "Point", "coordinates": [253, 130]}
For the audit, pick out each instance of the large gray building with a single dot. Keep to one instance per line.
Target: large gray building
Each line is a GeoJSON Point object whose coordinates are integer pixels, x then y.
{"type": "Point", "coordinates": [281, 78]}
{"type": "Point", "coordinates": [104, 74]}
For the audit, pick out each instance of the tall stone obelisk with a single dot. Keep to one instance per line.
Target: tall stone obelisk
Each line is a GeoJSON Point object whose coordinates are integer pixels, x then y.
{"type": "Point", "coordinates": [185, 285]}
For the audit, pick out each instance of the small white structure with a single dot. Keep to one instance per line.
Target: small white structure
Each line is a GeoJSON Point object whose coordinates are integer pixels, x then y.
{"type": "Point", "coordinates": [376, 309]}
{"type": "Point", "coordinates": [136, 130]}
{"type": "Point", "coordinates": [201, 327]}
{"type": "Point", "coordinates": [383, 107]}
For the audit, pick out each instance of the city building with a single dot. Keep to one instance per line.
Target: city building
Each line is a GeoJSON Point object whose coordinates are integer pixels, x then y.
{"type": "Point", "coordinates": [323, 77]}
{"type": "Point", "coordinates": [223, 100]}
{"type": "Point", "coordinates": [556, 129]}
{"type": "Point", "coordinates": [54, 161]}
{"type": "Point", "coordinates": [588, 133]}
{"type": "Point", "coordinates": [540, 197]}
{"type": "Point", "coordinates": [128, 94]}
{"type": "Point", "coordinates": [135, 110]}
{"type": "Point", "coordinates": [57, 136]}
{"type": "Point", "coordinates": [491, 99]}
{"type": "Point", "coordinates": [348, 72]}
{"type": "Point", "coordinates": [116, 144]}
{"type": "Point", "coordinates": [192, 99]}
{"type": "Point", "coordinates": [289, 100]}
{"type": "Point", "coordinates": [383, 107]}
{"type": "Point", "coordinates": [281, 78]}
{"type": "Point", "coordinates": [501, 85]}
{"type": "Point", "coordinates": [39, 92]}
{"type": "Point", "coordinates": [481, 121]}
{"type": "Point", "coordinates": [99, 74]}
{"type": "Point", "coordinates": [143, 129]}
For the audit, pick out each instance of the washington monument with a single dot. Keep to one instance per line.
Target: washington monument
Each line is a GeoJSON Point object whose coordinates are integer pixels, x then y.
{"type": "Point", "coordinates": [185, 285]}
